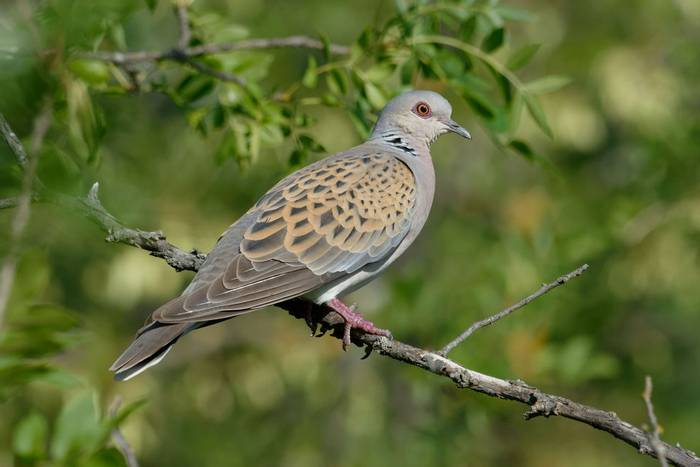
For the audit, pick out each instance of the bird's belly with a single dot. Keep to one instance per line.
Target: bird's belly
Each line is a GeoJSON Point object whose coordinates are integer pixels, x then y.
{"type": "Point", "coordinates": [346, 284]}
{"type": "Point", "coordinates": [341, 286]}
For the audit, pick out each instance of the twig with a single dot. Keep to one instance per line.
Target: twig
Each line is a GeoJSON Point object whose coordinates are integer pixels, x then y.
{"type": "Point", "coordinates": [6, 203]}
{"type": "Point", "coordinates": [183, 24]}
{"type": "Point", "coordinates": [118, 438]}
{"type": "Point", "coordinates": [153, 242]}
{"type": "Point", "coordinates": [206, 69]}
{"type": "Point", "coordinates": [291, 42]}
{"type": "Point", "coordinates": [503, 313]}
{"type": "Point", "coordinates": [181, 56]}
{"type": "Point", "coordinates": [23, 201]}
{"type": "Point", "coordinates": [12, 141]}
{"type": "Point", "coordinates": [654, 435]}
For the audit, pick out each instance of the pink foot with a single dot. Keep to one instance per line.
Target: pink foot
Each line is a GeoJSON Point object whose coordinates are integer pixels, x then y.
{"type": "Point", "coordinates": [354, 319]}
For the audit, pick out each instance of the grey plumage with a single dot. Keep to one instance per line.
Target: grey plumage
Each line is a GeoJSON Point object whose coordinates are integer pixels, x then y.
{"type": "Point", "coordinates": [322, 231]}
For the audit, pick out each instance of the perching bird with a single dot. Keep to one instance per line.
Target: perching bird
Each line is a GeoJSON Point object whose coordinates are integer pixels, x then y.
{"type": "Point", "coordinates": [321, 232]}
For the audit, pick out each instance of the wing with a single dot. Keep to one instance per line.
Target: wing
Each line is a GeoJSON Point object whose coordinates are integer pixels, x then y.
{"type": "Point", "coordinates": [320, 223]}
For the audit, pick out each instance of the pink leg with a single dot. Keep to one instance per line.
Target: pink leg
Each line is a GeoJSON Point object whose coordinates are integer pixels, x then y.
{"type": "Point", "coordinates": [354, 319]}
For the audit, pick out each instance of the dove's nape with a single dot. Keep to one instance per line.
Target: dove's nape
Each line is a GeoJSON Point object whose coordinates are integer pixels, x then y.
{"type": "Point", "coordinates": [321, 232]}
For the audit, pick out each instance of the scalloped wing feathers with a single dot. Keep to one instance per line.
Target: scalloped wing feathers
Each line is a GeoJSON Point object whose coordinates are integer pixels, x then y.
{"type": "Point", "coordinates": [318, 224]}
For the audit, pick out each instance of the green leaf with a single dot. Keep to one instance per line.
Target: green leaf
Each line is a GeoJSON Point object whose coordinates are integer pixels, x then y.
{"type": "Point", "coordinates": [30, 437]}
{"type": "Point", "coordinates": [516, 111]}
{"type": "Point", "coordinates": [401, 6]}
{"type": "Point", "coordinates": [408, 71]}
{"type": "Point", "coordinates": [326, 41]}
{"type": "Point", "coordinates": [452, 64]}
{"type": "Point", "coordinates": [91, 71]}
{"type": "Point", "coordinates": [193, 87]}
{"type": "Point", "coordinates": [374, 95]}
{"type": "Point", "coordinates": [226, 148]}
{"type": "Point", "coordinates": [16, 372]}
{"type": "Point", "coordinates": [504, 84]}
{"type": "Point", "coordinates": [358, 116]}
{"type": "Point", "coordinates": [468, 28]}
{"type": "Point", "coordinates": [494, 40]}
{"type": "Point", "coordinates": [151, 4]}
{"type": "Point", "coordinates": [272, 134]}
{"type": "Point", "coordinates": [310, 78]}
{"type": "Point", "coordinates": [547, 84]}
{"type": "Point", "coordinates": [254, 142]}
{"type": "Point", "coordinates": [522, 56]}
{"type": "Point", "coordinates": [480, 103]}
{"type": "Point", "coordinates": [107, 457]}
{"type": "Point", "coordinates": [77, 427]}
{"type": "Point", "coordinates": [86, 125]}
{"type": "Point", "coordinates": [522, 148]}
{"type": "Point", "coordinates": [331, 100]}
{"type": "Point", "coordinates": [513, 13]}
{"type": "Point", "coordinates": [337, 82]}
{"type": "Point", "coordinates": [379, 72]}
{"type": "Point", "coordinates": [298, 157]}
{"type": "Point", "coordinates": [309, 143]}
{"type": "Point", "coordinates": [118, 36]}
{"type": "Point", "coordinates": [367, 38]}
{"type": "Point", "coordinates": [535, 108]}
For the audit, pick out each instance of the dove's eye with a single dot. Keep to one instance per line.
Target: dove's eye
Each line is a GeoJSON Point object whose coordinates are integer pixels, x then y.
{"type": "Point", "coordinates": [422, 110]}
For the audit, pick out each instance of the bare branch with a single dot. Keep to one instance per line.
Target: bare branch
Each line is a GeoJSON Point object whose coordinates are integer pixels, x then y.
{"type": "Point", "coordinates": [183, 22]}
{"type": "Point", "coordinates": [6, 203]}
{"type": "Point", "coordinates": [291, 42]}
{"type": "Point", "coordinates": [118, 438]}
{"type": "Point", "coordinates": [23, 201]}
{"type": "Point", "coordinates": [153, 242]}
{"type": "Point", "coordinates": [654, 436]}
{"type": "Point", "coordinates": [503, 313]}
{"type": "Point", "coordinates": [12, 141]}
{"type": "Point", "coordinates": [540, 403]}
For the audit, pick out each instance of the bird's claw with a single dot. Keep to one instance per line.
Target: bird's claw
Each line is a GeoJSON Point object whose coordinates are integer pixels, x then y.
{"type": "Point", "coordinates": [354, 319]}
{"type": "Point", "coordinates": [310, 321]}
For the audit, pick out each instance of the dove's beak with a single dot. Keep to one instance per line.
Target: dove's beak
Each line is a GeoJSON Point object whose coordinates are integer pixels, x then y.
{"type": "Point", "coordinates": [455, 127]}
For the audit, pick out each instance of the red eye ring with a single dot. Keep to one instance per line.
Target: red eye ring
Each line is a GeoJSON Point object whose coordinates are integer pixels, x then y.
{"type": "Point", "coordinates": [423, 110]}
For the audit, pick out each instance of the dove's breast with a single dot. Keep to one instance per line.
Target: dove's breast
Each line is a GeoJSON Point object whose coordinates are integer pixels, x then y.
{"type": "Point", "coordinates": [423, 171]}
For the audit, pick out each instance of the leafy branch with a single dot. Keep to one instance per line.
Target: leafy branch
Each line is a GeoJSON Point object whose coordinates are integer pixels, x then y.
{"type": "Point", "coordinates": [222, 89]}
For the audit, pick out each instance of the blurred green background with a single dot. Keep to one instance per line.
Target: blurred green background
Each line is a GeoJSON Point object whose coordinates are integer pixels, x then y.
{"type": "Point", "coordinates": [616, 187]}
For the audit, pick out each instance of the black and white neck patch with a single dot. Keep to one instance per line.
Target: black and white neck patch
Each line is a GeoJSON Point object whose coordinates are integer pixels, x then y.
{"type": "Point", "coordinates": [395, 140]}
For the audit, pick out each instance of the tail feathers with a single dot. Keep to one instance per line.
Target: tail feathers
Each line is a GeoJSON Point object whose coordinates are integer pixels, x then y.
{"type": "Point", "coordinates": [148, 349]}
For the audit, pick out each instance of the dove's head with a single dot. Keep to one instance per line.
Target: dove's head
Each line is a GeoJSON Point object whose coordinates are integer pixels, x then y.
{"type": "Point", "coordinates": [420, 115]}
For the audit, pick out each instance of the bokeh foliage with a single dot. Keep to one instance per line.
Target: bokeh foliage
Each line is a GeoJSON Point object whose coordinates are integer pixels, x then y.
{"type": "Point", "coordinates": [182, 151]}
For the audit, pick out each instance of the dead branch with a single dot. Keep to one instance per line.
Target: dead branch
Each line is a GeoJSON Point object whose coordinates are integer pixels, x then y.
{"type": "Point", "coordinates": [503, 313]}
{"type": "Point", "coordinates": [654, 435]}
{"type": "Point", "coordinates": [24, 200]}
